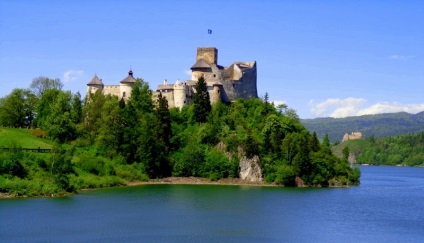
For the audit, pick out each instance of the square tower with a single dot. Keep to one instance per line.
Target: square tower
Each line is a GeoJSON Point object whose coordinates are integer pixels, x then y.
{"type": "Point", "coordinates": [209, 54]}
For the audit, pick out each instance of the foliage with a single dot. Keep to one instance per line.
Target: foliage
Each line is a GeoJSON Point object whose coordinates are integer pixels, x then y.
{"type": "Point", "coordinates": [405, 150]}
{"type": "Point", "coordinates": [41, 84]}
{"type": "Point", "coordinates": [106, 142]}
{"type": "Point", "coordinates": [17, 109]}
{"type": "Point", "coordinates": [379, 126]}
{"type": "Point", "coordinates": [22, 138]}
{"type": "Point", "coordinates": [201, 101]}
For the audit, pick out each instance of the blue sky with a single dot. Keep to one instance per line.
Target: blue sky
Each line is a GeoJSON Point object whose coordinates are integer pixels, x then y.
{"type": "Point", "coordinates": [321, 58]}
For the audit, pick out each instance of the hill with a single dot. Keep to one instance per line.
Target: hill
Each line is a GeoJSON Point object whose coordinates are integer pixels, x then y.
{"type": "Point", "coordinates": [379, 126]}
{"type": "Point", "coordinates": [21, 138]}
{"type": "Point", "coordinates": [406, 150]}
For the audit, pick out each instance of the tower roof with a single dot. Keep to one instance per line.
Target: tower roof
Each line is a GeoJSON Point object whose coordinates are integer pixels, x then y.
{"type": "Point", "coordinates": [95, 81]}
{"type": "Point", "coordinates": [129, 78]}
{"type": "Point", "coordinates": [201, 63]}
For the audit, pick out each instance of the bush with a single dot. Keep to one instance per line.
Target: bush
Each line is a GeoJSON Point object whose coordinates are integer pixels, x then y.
{"type": "Point", "coordinates": [38, 133]}
{"type": "Point", "coordinates": [285, 175]}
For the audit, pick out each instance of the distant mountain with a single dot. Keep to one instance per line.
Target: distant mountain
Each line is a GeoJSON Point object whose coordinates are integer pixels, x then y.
{"type": "Point", "coordinates": [381, 125]}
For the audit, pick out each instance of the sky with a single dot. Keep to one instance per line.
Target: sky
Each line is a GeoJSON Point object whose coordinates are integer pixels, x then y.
{"type": "Point", "coordinates": [321, 58]}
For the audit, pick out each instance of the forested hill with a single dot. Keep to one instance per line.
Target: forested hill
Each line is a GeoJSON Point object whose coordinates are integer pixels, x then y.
{"type": "Point", "coordinates": [381, 125]}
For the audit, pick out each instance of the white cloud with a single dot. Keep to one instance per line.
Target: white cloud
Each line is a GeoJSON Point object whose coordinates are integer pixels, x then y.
{"type": "Point", "coordinates": [356, 107]}
{"type": "Point", "coordinates": [72, 75]}
{"type": "Point", "coordinates": [279, 102]}
{"type": "Point", "coordinates": [400, 57]}
{"type": "Point", "coordinates": [390, 107]}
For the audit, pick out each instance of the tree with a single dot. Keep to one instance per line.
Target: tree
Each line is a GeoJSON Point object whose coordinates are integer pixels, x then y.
{"type": "Point", "coordinates": [92, 112]}
{"type": "Point", "coordinates": [59, 125]}
{"type": "Point", "coordinates": [267, 105]}
{"type": "Point", "coordinates": [44, 106]}
{"type": "Point", "coordinates": [76, 111]}
{"type": "Point", "coordinates": [18, 109]}
{"type": "Point", "coordinates": [326, 144]}
{"type": "Point", "coordinates": [345, 153]}
{"type": "Point", "coordinates": [41, 84]}
{"type": "Point", "coordinates": [202, 105]}
{"type": "Point", "coordinates": [163, 128]}
{"type": "Point", "coordinates": [111, 124]}
{"type": "Point", "coordinates": [314, 143]}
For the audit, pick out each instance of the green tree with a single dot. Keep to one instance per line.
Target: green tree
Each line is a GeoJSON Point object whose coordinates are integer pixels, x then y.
{"type": "Point", "coordinates": [163, 129]}
{"type": "Point", "coordinates": [76, 111]}
{"type": "Point", "coordinates": [18, 109]}
{"type": "Point", "coordinates": [59, 124]}
{"type": "Point", "coordinates": [92, 113]}
{"type": "Point", "coordinates": [326, 145]}
{"type": "Point", "coordinates": [43, 107]}
{"type": "Point", "coordinates": [111, 123]}
{"type": "Point", "coordinates": [201, 101]}
{"type": "Point", "coordinates": [40, 84]}
{"type": "Point", "coordinates": [345, 152]}
{"type": "Point", "coordinates": [314, 143]}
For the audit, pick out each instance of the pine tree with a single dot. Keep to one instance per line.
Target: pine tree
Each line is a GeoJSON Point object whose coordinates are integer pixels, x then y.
{"type": "Point", "coordinates": [314, 142]}
{"type": "Point", "coordinates": [164, 121]}
{"type": "Point", "coordinates": [202, 105]}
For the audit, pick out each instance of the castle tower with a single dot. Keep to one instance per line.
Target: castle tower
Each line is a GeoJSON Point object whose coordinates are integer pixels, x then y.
{"type": "Point", "coordinates": [94, 85]}
{"type": "Point", "coordinates": [179, 94]}
{"type": "Point", "coordinates": [206, 59]}
{"type": "Point", "coordinates": [126, 86]}
{"type": "Point", "coordinates": [209, 54]}
{"type": "Point", "coordinates": [216, 92]}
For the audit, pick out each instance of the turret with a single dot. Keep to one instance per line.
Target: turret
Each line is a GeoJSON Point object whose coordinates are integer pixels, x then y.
{"type": "Point", "coordinates": [94, 85]}
{"type": "Point", "coordinates": [179, 94]}
{"type": "Point", "coordinates": [126, 86]}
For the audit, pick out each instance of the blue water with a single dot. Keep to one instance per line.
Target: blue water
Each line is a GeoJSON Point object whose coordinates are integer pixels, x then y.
{"type": "Point", "coordinates": [386, 207]}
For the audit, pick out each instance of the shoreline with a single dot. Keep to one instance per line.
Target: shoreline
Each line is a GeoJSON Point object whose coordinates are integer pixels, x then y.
{"type": "Point", "coordinates": [200, 181]}
{"type": "Point", "coordinates": [162, 181]}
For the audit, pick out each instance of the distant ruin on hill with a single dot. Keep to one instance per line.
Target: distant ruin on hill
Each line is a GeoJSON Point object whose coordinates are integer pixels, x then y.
{"type": "Point", "coordinates": [353, 136]}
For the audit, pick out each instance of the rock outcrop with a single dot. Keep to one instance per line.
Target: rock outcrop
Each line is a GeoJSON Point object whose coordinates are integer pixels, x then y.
{"type": "Point", "coordinates": [250, 169]}
{"type": "Point", "coordinates": [352, 158]}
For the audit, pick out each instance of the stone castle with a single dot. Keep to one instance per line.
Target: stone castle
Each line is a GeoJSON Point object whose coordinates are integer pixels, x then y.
{"type": "Point", "coordinates": [224, 83]}
{"type": "Point", "coordinates": [353, 136]}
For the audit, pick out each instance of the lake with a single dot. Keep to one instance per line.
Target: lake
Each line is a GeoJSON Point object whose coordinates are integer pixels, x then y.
{"type": "Point", "coordinates": [386, 207]}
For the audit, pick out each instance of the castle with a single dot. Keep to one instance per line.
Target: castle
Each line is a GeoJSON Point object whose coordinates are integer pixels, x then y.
{"type": "Point", "coordinates": [223, 83]}
{"type": "Point", "coordinates": [353, 136]}
{"type": "Point", "coordinates": [123, 90]}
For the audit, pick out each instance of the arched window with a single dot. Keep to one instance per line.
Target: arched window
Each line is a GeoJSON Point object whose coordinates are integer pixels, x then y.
{"type": "Point", "coordinates": [123, 95]}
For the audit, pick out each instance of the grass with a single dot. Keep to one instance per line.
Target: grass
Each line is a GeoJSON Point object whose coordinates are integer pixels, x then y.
{"type": "Point", "coordinates": [21, 138]}
{"type": "Point", "coordinates": [355, 146]}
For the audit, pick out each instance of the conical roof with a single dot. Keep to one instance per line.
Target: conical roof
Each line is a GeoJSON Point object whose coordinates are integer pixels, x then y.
{"type": "Point", "coordinates": [95, 81]}
{"type": "Point", "coordinates": [129, 78]}
{"type": "Point", "coordinates": [201, 63]}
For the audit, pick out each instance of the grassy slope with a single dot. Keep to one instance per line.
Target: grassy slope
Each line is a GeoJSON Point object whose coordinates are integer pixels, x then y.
{"type": "Point", "coordinates": [355, 146]}
{"type": "Point", "coordinates": [21, 138]}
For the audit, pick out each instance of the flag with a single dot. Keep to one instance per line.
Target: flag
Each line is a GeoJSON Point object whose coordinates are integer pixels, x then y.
{"type": "Point", "coordinates": [209, 31]}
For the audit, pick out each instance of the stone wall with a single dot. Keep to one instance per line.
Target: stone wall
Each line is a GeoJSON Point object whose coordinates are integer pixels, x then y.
{"type": "Point", "coordinates": [209, 54]}
{"type": "Point", "coordinates": [353, 136]}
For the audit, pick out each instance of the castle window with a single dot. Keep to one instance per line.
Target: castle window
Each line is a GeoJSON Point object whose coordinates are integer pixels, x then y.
{"type": "Point", "coordinates": [214, 75]}
{"type": "Point", "coordinates": [123, 95]}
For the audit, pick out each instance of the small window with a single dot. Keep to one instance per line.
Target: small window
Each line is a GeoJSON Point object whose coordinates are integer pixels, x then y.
{"type": "Point", "coordinates": [214, 75]}
{"type": "Point", "coordinates": [123, 94]}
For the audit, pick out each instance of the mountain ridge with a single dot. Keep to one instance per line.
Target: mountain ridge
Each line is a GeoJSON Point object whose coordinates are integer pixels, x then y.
{"type": "Point", "coordinates": [378, 125]}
